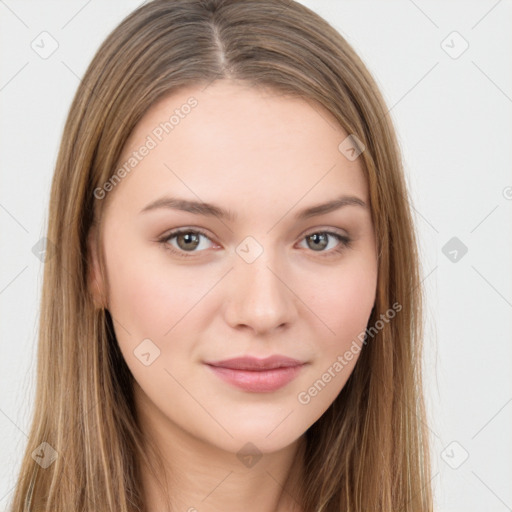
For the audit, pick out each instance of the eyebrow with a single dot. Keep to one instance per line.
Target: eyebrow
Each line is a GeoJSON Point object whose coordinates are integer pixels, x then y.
{"type": "Point", "coordinates": [211, 210]}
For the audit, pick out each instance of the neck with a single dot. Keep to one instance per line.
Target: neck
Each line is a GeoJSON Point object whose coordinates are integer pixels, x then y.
{"type": "Point", "coordinates": [195, 476]}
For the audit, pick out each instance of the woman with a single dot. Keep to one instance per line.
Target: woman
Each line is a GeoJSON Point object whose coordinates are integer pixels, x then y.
{"type": "Point", "coordinates": [232, 315]}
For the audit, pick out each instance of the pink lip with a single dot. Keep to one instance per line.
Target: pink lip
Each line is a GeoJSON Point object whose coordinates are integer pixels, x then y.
{"type": "Point", "coordinates": [257, 375]}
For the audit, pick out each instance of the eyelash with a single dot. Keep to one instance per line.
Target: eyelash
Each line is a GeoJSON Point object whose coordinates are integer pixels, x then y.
{"type": "Point", "coordinates": [346, 242]}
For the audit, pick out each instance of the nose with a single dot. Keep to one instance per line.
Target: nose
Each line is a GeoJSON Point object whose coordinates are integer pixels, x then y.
{"type": "Point", "coordinates": [260, 296]}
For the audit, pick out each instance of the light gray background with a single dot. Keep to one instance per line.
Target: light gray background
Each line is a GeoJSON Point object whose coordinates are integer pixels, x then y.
{"type": "Point", "coordinates": [453, 117]}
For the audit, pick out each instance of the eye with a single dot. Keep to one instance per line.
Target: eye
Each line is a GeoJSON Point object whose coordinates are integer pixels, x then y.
{"type": "Point", "coordinates": [319, 240]}
{"type": "Point", "coordinates": [188, 240]}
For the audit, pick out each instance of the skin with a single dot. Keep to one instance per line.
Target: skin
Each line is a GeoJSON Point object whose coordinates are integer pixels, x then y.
{"type": "Point", "coordinates": [265, 157]}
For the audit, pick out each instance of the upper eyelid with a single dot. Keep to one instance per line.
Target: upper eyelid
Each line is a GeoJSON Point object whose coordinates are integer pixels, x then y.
{"type": "Point", "coordinates": [177, 231]}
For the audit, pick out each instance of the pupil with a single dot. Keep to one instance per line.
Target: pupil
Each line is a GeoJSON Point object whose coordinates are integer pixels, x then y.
{"type": "Point", "coordinates": [316, 238]}
{"type": "Point", "coordinates": [319, 239]}
{"type": "Point", "coordinates": [189, 237]}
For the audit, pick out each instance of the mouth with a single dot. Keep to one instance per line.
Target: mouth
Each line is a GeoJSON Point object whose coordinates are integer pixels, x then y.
{"type": "Point", "coordinates": [257, 375]}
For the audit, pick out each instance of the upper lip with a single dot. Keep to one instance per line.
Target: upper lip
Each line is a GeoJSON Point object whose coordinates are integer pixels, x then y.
{"type": "Point", "coordinates": [254, 363]}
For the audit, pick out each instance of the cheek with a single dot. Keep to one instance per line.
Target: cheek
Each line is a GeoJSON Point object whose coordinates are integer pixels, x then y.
{"type": "Point", "coordinates": [354, 300]}
{"type": "Point", "coordinates": [147, 296]}
{"type": "Point", "coordinates": [151, 300]}
{"type": "Point", "coordinates": [344, 303]}
{"type": "Point", "coordinates": [345, 300]}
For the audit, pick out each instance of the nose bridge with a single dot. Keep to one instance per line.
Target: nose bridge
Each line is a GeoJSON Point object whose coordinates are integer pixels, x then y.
{"type": "Point", "coordinates": [260, 297]}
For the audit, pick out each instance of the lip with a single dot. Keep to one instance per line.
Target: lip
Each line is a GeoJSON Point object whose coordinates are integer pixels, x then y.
{"type": "Point", "coordinates": [257, 375]}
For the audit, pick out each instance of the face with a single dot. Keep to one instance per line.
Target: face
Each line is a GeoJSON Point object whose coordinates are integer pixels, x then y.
{"type": "Point", "coordinates": [258, 273]}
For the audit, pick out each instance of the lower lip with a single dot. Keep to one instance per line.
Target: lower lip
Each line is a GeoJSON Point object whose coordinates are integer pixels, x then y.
{"type": "Point", "coordinates": [264, 381]}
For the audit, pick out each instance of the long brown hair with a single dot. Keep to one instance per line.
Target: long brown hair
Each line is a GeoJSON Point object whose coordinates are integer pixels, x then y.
{"type": "Point", "coordinates": [370, 450]}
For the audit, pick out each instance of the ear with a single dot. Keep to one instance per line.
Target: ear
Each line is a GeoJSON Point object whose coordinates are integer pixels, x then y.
{"type": "Point", "coordinates": [95, 280]}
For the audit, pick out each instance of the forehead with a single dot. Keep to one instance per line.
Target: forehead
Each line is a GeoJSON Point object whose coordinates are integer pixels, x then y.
{"type": "Point", "coordinates": [241, 146]}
